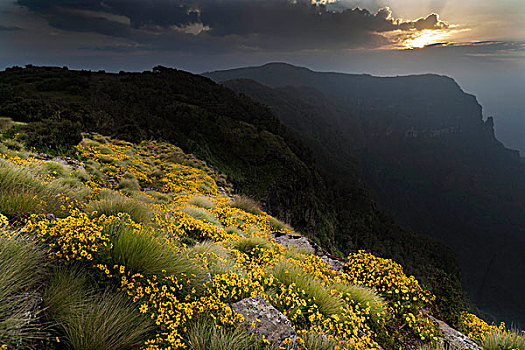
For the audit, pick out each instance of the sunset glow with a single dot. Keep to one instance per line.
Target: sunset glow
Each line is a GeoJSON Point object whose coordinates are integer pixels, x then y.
{"type": "Point", "coordinates": [427, 37]}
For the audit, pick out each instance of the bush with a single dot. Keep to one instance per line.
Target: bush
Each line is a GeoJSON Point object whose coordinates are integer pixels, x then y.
{"type": "Point", "coordinates": [87, 320]}
{"type": "Point", "coordinates": [48, 135]}
{"type": "Point", "coordinates": [21, 271]}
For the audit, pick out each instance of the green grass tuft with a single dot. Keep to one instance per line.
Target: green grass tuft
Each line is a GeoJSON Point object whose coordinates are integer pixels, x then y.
{"type": "Point", "coordinates": [140, 251]}
{"type": "Point", "coordinates": [21, 270]}
{"type": "Point", "coordinates": [504, 340]}
{"type": "Point", "coordinates": [287, 273]}
{"type": "Point", "coordinates": [202, 214]}
{"type": "Point", "coordinates": [252, 246]}
{"type": "Point", "coordinates": [278, 225]}
{"type": "Point", "coordinates": [315, 341]}
{"type": "Point", "coordinates": [219, 258]}
{"type": "Point", "coordinates": [129, 185]}
{"type": "Point", "coordinates": [202, 202]}
{"type": "Point", "coordinates": [89, 320]}
{"type": "Point", "coordinates": [247, 204]}
{"type": "Point", "coordinates": [22, 192]}
{"type": "Point", "coordinates": [204, 335]}
{"type": "Point", "coordinates": [364, 297]}
{"type": "Point", "coordinates": [112, 204]}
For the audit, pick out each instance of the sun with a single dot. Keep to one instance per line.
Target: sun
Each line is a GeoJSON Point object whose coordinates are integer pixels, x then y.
{"type": "Point", "coordinates": [419, 40]}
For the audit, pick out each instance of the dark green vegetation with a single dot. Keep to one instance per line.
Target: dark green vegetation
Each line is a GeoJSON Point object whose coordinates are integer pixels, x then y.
{"type": "Point", "coordinates": [237, 136]}
{"type": "Point", "coordinates": [421, 145]}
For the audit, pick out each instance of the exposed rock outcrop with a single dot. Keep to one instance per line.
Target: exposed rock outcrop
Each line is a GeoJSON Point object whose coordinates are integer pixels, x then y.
{"type": "Point", "coordinates": [262, 318]}
{"type": "Point", "coordinates": [308, 246]}
{"type": "Point", "coordinates": [453, 338]}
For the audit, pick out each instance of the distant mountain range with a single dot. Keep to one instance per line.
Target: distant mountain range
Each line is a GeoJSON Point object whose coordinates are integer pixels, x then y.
{"type": "Point", "coordinates": [421, 146]}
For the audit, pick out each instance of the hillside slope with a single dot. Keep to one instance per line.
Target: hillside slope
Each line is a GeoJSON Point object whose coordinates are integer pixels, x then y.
{"type": "Point", "coordinates": [426, 153]}
{"type": "Point", "coordinates": [235, 135]}
{"type": "Point", "coordinates": [136, 246]}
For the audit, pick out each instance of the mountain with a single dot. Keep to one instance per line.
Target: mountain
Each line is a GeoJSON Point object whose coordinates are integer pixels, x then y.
{"type": "Point", "coordinates": [238, 137]}
{"type": "Point", "coordinates": [420, 144]}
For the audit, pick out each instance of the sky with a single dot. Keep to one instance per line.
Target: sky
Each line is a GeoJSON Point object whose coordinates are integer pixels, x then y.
{"type": "Point", "coordinates": [480, 43]}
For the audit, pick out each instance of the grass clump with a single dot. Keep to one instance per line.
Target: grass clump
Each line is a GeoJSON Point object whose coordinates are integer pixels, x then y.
{"type": "Point", "coordinates": [287, 273]}
{"type": "Point", "coordinates": [498, 340]}
{"type": "Point", "coordinates": [21, 270]}
{"type": "Point", "coordinates": [141, 251]}
{"type": "Point", "coordinates": [219, 261]}
{"type": "Point", "coordinates": [278, 225]}
{"type": "Point", "coordinates": [202, 214]}
{"type": "Point", "coordinates": [247, 204]}
{"type": "Point", "coordinates": [316, 341]}
{"type": "Point", "coordinates": [129, 185]}
{"type": "Point", "coordinates": [113, 203]}
{"type": "Point", "coordinates": [202, 202]}
{"type": "Point", "coordinates": [253, 246]}
{"type": "Point", "coordinates": [364, 297]}
{"type": "Point", "coordinates": [90, 320]}
{"type": "Point", "coordinates": [52, 169]}
{"type": "Point", "coordinates": [22, 191]}
{"type": "Point", "coordinates": [204, 335]}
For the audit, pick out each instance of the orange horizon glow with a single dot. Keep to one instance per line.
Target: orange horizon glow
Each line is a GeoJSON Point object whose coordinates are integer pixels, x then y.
{"type": "Point", "coordinates": [425, 38]}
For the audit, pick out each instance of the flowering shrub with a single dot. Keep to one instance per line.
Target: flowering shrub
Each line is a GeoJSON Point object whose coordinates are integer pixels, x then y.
{"type": "Point", "coordinates": [76, 237]}
{"type": "Point", "coordinates": [475, 328]}
{"type": "Point", "coordinates": [404, 294]}
{"type": "Point", "coordinates": [180, 178]}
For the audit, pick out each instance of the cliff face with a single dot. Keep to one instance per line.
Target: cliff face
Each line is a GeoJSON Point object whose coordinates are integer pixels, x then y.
{"type": "Point", "coordinates": [430, 159]}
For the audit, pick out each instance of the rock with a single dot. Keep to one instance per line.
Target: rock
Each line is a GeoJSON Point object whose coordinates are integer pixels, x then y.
{"type": "Point", "coordinates": [453, 338]}
{"type": "Point", "coordinates": [304, 243]}
{"type": "Point", "coordinates": [288, 240]}
{"type": "Point", "coordinates": [336, 265]}
{"type": "Point", "coordinates": [51, 217]}
{"type": "Point", "coordinates": [268, 321]}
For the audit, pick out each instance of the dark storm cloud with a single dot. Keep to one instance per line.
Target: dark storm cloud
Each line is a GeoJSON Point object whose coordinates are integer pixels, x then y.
{"type": "Point", "coordinates": [430, 22]}
{"type": "Point", "coordinates": [234, 24]}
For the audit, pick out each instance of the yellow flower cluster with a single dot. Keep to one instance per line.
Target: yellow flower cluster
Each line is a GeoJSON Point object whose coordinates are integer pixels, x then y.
{"type": "Point", "coordinates": [179, 178]}
{"type": "Point", "coordinates": [171, 303]}
{"type": "Point", "coordinates": [475, 328]}
{"type": "Point", "coordinates": [76, 237]}
{"type": "Point", "coordinates": [21, 161]}
{"type": "Point", "coordinates": [3, 221]}
{"type": "Point", "coordinates": [404, 294]}
{"type": "Point", "coordinates": [186, 225]}
{"type": "Point", "coordinates": [149, 162]}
